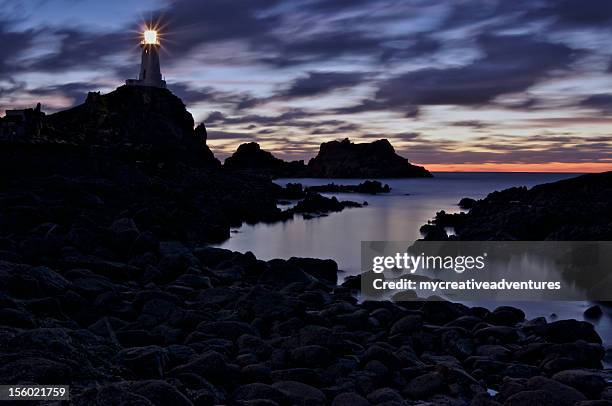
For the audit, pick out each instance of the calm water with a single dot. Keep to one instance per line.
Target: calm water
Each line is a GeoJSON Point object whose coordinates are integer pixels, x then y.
{"type": "Point", "coordinates": [396, 216]}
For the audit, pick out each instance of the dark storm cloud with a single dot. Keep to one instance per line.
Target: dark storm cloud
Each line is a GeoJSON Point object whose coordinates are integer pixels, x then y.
{"type": "Point", "coordinates": [602, 102]}
{"type": "Point", "coordinates": [310, 84]}
{"type": "Point", "coordinates": [317, 83]}
{"type": "Point", "coordinates": [190, 23]}
{"type": "Point", "coordinates": [580, 12]}
{"type": "Point", "coordinates": [81, 49]}
{"type": "Point", "coordinates": [12, 45]}
{"type": "Point", "coordinates": [511, 64]}
{"type": "Point", "coordinates": [324, 46]}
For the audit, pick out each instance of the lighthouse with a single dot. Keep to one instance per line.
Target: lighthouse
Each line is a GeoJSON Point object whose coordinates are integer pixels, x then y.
{"type": "Point", "coordinates": [150, 71]}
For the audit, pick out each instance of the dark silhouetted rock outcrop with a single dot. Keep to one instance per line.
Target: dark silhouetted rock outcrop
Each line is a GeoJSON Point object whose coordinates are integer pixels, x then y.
{"type": "Point", "coordinates": [336, 159]}
{"type": "Point", "coordinates": [145, 122]}
{"type": "Point", "coordinates": [574, 209]}
{"type": "Point", "coordinates": [344, 159]}
{"type": "Point", "coordinates": [370, 187]}
{"type": "Point", "coordinates": [250, 156]}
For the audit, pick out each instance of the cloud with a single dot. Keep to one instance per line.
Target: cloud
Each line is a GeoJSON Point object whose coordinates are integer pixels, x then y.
{"type": "Point", "coordinates": [14, 43]}
{"type": "Point", "coordinates": [80, 49]}
{"type": "Point", "coordinates": [601, 102]}
{"type": "Point", "coordinates": [318, 83]}
{"type": "Point", "coordinates": [476, 124]}
{"type": "Point", "coordinates": [511, 64]}
{"type": "Point", "coordinates": [578, 12]}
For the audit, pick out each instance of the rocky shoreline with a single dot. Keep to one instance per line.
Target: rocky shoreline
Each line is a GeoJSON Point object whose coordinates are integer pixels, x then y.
{"type": "Point", "coordinates": [575, 209]}
{"type": "Point", "coordinates": [109, 285]}
{"type": "Point", "coordinates": [128, 307]}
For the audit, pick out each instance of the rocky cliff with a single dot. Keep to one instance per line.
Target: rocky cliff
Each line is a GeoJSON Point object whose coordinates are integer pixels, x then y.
{"type": "Point", "coordinates": [344, 159]}
{"type": "Point", "coordinates": [148, 122]}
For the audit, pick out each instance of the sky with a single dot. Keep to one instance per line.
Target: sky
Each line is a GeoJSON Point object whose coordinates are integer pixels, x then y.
{"type": "Point", "coordinates": [474, 85]}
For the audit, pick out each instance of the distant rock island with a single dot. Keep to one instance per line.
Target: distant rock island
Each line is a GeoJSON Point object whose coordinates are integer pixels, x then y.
{"type": "Point", "coordinates": [336, 159]}
{"type": "Point", "coordinates": [344, 159]}
{"type": "Point", "coordinates": [251, 157]}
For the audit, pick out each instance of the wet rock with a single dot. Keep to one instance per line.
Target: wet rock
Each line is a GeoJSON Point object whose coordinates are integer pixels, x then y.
{"type": "Point", "coordinates": [16, 318]}
{"type": "Point", "coordinates": [349, 399]}
{"type": "Point", "coordinates": [424, 386]}
{"type": "Point", "coordinates": [258, 391]}
{"type": "Point", "coordinates": [300, 393]}
{"type": "Point", "coordinates": [145, 362]}
{"type": "Point", "coordinates": [226, 329]}
{"type": "Point", "coordinates": [304, 375]}
{"type": "Point", "coordinates": [501, 334]}
{"type": "Point", "coordinates": [484, 399]}
{"type": "Point", "coordinates": [211, 365]}
{"type": "Point", "coordinates": [256, 373]}
{"type": "Point", "coordinates": [561, 394]}
{"type": "Point", "coordinates": [145, 242]}
{"type": "Point", "coordinates": [22, 368]}
{"type": "Point", "coordinates": [316, 203]}
{"type": "Point", "coordinates": [383, 395]}
{"type": "Point", "coordinates": [593, 312]}
{"type": "Point", "coordinates": [505, 316]}
{"type": "Point", "coordinates": [566, 331]}
{"type": "Point", "coordinates": [160, 393]}
{"type": "Point", "coordinates": [280, 274]}
{"type": "Point", "coordinates": [369, 187]}
{"type": "Point", "coordinates": [532, 398]}
{"type": "Point", "coordinates": [407, 325]}
{"type": "Point", "coordinates": [311, 356]}
{"type": "Point", "coordinates": [590, 383]}
{"type": "Point", "coordinates": [322, 269]}
{"type": "Point", "coordinates": [579, 354]}
{"type": "Point", "coordinates": [124, 232]}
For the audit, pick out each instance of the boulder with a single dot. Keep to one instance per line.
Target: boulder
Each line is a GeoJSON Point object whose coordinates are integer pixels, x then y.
{"type": "Point", "coordinates": [590, 383]}
{"type": "Point", "coordinates": [300, 393]}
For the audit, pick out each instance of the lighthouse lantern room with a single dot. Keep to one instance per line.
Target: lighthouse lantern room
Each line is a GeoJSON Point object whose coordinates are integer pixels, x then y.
{"type": "Point", "coordinates": [150, 71]}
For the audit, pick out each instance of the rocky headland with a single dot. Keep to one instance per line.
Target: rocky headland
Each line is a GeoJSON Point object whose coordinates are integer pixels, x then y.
{"type": "Point", "coordinates": [109, 284]}
{"type": "Point", "coordinates": [336, 159]}
{"type": "Point", "coordinates": [575, 209]}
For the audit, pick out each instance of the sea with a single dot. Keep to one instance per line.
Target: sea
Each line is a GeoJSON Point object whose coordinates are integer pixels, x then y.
{"type": "Point", "coordinates": [396, 216]}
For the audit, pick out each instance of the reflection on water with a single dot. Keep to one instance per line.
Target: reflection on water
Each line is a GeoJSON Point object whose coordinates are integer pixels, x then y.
{"type": "Point", "coordinates": [396, 216]}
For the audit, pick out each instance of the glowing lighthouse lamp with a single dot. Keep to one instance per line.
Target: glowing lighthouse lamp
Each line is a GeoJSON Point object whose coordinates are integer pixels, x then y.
{"type": "Point", "coordinates": [150, 37]}
{"type": "Point", "coordinates": [150, 72]}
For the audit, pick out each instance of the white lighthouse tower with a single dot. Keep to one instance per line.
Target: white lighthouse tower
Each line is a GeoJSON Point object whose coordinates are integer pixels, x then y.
{"type": "Point", "coordinates": [150, 72]}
